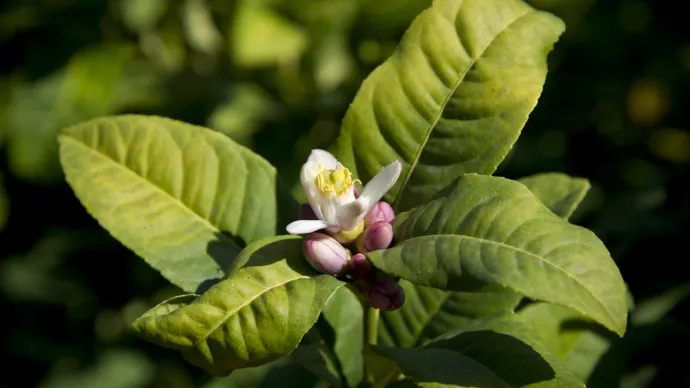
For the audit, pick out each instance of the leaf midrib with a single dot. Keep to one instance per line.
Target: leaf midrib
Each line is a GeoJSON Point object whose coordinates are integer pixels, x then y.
{"type": "Point", "coordinates": [228, 314]}
{"type": "Point", "coordinates": [431, 127]}
{"type": "Point", "coordinates": [174, 199]}
{"type": "Point", "coordinates": [542, 259]}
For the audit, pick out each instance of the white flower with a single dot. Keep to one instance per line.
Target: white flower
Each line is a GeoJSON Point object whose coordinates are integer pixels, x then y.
{"type": "Point", "coordinates": [330, 191]}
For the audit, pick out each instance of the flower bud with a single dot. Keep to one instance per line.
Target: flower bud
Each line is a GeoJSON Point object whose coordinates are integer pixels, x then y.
{"type": "Point", "coordinates": [325, 254]}
{"type": "Point", "coordinates": [375, 237]}
{"type": "Point", "coordinates": [307, 213]}
{"type": "Point", "coordinates": [360, 268]}
{"type": "Point", "coordinates": [380, 212]}
{"type": "Point", "coordinates": [357, 192]}
{"type": "Point", "coordinates": [386, 294]}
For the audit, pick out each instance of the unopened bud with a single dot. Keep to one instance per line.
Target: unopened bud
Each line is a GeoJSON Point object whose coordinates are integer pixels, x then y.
{"type": "Point", "coordinates": [325, 254]}
{"type": "Point", "coordinates": [360, 268]}
{"type": "Point", "coordinates": [357, 192]}
{"type": "Point", "coordinates": [375, 237]}
{"type": "Point", "coordinates": [386, 294]}
{"type": "Point", "coordinates": [307, 213]}
{"type": "Point", "coordinates": [381, 212]}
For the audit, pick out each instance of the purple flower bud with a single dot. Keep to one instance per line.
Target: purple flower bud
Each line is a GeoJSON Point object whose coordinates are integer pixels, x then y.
{"type": "Point", "coordinates": [325, 254]}
{"type": "Point", "coordinates": [380, 212]}
{"type": "Point", "coordinates": [307, 213]}
{"type": "Point", "coordinates": [360, 268]}
{"type": "Point", "coordinates": [386, 294]}
{"type": "Point", "coordinates": [357, 192]}
{"type": "Point", "coordinates": [377, 236]}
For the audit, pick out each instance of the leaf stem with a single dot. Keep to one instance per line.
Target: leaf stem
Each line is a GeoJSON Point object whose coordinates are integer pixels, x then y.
{"type": "Point", "coordinates": [372, 325]}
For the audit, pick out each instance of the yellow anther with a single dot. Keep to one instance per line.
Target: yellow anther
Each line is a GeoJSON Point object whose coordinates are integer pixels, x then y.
{"type": "Point", "coordinates": [334, 182]}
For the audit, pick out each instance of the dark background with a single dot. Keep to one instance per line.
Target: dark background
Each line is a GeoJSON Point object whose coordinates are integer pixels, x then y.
{"type": "Point", "coordinates": [278, 76]}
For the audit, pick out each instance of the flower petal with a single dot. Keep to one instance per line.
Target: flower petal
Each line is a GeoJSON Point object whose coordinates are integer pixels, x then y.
{"type": "Point", "coordinates": [379, 185]}
{"type": "Point", "coordinates": [324, 158]}
{"type": "Point", "coordinates": [351, 214]}
{"type": "Point", "coordinates": [305, 226]}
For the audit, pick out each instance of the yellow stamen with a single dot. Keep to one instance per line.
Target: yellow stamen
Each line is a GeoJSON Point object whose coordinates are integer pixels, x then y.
{"type": "Point", "coordinates": [334, 182]}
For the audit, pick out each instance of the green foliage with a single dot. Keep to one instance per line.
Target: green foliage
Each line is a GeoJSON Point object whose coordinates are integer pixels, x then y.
{"type": "Point", "coordinates": [568, 335]}
{"type": "Point", "coordinates": [184, 198]}
{"type": "Point", "coordinates": [453, 98]}
{"type": "Point", "coordinates": [277, 77]}
{"type": "Point", "coordinates": [497, 351]}
{"type": "Point", "coordinates": [344, 313]}
{"type": "Point", "coordinates": [559, 192]}
{"type": "Point", "coordinates": [256, 315]}
{"type": "Point", "coordinates": [494, 230]}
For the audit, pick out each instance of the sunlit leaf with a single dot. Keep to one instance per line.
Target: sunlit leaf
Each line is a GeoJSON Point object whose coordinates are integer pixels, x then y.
{"type": "Point", "coordinates": [184, 198]}
{"type": "Point", "coordinates": [83, 90]}
{"type": "Point", "coordinates": [240, 116]}
{"type": "Point", "coordinates": [200, 30]}
{"type": "Point", "coordinates": [559, 192]}
{"type": "Point", "coordinates": [261, 37]}
{"type": "Point", "coordinates": [256, 315]}
{"type": "Point", "coordinates": [452, 99]}
{"type": "Point", "coordinates": [494, 230]}
{"type": "Point", "coordinates": [141, 15]}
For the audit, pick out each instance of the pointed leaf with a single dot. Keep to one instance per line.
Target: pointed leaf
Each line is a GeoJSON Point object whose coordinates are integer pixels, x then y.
{"type": "Point", "coordinates": [317, 359]}
{"type": "Point", "coordinates": [559, 192]}
{"type": "Point", "coordinates": [256, 315]}
{"type": "Point", "coordinates": [494, 230]}
{"type": "Point", "coordinates": [652, 309]}
{"type": "Point", "coordinates": [497, 351]}
{"type": "Point", "coordinates": [183, 197]}
{"type": "Point", "coordinates": [453, 98]}
{"type": "Point", "coordinates": [430, 312]}
{"type": "Point", "coordinates": [568, 336]}
{"type": "Point", "coordinates": [344, 313]}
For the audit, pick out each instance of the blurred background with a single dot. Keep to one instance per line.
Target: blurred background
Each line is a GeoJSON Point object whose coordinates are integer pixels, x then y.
{"type": "Point", "coordinates": [278, 76]}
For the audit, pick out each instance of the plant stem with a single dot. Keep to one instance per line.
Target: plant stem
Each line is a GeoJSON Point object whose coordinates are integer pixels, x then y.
{"type": "Point", "coordinates": [371, 322]}
{"type": "Point", "coordinates": [372, 325]}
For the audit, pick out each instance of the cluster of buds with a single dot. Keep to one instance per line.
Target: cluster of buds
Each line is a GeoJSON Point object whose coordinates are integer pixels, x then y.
{"type": "Point", "coordinates": [327, 255]}
{"type": "Point", "coordinates": [338, 216]}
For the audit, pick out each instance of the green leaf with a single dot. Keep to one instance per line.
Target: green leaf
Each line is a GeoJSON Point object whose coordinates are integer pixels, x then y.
{"type": "Point", "coordinates": [261, 37]}
{"type": "Point", "coordinates": [317, 359]}
{"type": "Point", "coordinates": [240, 117]}
{"type": "Point", "coordinates": [559, 192]}
{"type": "Point", "coordinates": [429, 312]}
{"type": "Point", "coordinates": [569, 336]}
{"type": "Point", "coordinates": [315, 354]}
{"type": "Point", "coordinates": [652, 309]}
{"type": "Point", "coordinates": [114, 368]}
{"type": "Point", "coordinates": [497, 351]}
{"type": "Point", "coordinates": [200, 29]}
{"type": "Point", "coordinates": [37, 112]}
{"type": "Point", "coordinates": [183, 197]}
{"type": "Point", "coordinates": [140, 16]}
{"type": "Point", "coordinates": [452, 99]}
{"type": "Point", "coordinates": [246, 378]}
{"type": "Point", "coordinates": [344, 313]}
{"type": "Point", "coordinates": [256, 315]}
{"type": "Point", "coordinates": [494, 230]}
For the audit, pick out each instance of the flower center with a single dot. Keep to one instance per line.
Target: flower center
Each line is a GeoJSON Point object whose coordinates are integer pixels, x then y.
{"type": "Point", "coordinates": [334, 182]}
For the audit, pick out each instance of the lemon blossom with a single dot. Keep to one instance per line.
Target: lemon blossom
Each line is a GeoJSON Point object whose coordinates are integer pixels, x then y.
{"type": "Point", "coordinates": [329, 188]}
